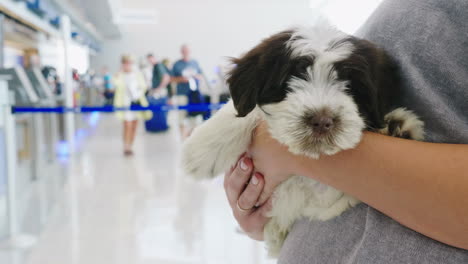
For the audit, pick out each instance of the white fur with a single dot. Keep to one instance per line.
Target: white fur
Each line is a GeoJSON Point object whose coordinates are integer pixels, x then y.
{"type": "Point", "coordinates": [284, 118]}
{"type": "Point", "coordinates": [307, 41]}
{"type": "Point", "coordinates": [320, 90]}
{"type": "Point", "coordinates": [215, 146]}
{"type": "Point", "coordinates": [302, 197]}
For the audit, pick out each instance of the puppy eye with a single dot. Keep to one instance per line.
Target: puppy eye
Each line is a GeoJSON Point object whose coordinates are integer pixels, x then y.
{"type": "Point", "coordinates": [300, 66]}
{"type": "Point", "coordinates": [348, 86]}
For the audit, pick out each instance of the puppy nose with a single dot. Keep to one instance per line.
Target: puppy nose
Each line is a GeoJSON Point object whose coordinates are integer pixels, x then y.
{"type": "Point", "coordinates": [322, 124]}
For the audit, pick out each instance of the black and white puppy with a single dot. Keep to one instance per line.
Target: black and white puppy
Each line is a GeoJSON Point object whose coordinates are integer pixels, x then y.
{"type": "Point", "coordinates": [318, 89]}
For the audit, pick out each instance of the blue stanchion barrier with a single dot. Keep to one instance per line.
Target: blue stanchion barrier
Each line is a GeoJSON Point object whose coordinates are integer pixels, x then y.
{"type": "Point", "coordinates": [110, 109]}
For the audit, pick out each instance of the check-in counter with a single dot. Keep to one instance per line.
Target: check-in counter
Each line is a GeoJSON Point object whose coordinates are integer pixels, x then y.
{"type": "Point", "coordinates": [25, 178]}
{"type": "Point", "coordinates": [36, 141]}
{"type": "Point", "coordinates": [50, 128]}
{"type": "Point", "coordinates": [24, 95]}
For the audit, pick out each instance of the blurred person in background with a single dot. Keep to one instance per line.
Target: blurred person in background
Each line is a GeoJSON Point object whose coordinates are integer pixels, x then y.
{"type": "Point", "coordinates": [130, 89]}
{"type": "Point", "coordinates": [107, 84]}
{"type": "Point", "coordinates": [160, 78]}
{"type": "Point", "coordinates": [188, 75]}
{"type": "Point", "coordinates": [167, 65]}
{"type": "Point", "coordinates": [157, 95]}
{"type": "Point", "coordinates": [76, 87]}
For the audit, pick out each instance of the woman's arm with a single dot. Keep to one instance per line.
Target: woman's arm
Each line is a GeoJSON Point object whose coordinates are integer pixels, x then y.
{"type": "Point", "coordinates": [179, 79]}
{"type": "Point", "coordinates": [424, 186]}
{"type": "Point", "coordinates": [166, 79]}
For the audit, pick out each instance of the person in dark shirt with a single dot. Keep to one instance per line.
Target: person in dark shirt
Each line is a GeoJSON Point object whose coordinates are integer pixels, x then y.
{"type": "Point", "coordinates": [160, 77]}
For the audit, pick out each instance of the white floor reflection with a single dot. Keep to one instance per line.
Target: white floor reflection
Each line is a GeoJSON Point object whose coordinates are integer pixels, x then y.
{"type": "Point", "coordinates": [118, 210]}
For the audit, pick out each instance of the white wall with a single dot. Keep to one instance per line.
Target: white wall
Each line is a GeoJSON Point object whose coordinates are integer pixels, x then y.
{"type": "Point", "coordinates": [216, 29]}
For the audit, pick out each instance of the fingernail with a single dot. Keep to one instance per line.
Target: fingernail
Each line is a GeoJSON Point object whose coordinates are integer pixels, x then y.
{"type": "Point", "coordinates": [243, 165]}
{"type": "Point", "coordinates": [257, 204]}
{"type": "Point", "coordinates": [254, 180]}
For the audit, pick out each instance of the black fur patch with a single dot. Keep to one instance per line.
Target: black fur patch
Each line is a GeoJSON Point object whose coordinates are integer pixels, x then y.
{"type": "Point", "coordinates": [393, 126]}
{"type": "Point", "coordinates": [373, 80]}
{"type": "Point", "coordinates": [261, 76]}
{"type": "Point", "coordinates": [395, 129]}
{"type": "Point", "coordinates": [406, 135]}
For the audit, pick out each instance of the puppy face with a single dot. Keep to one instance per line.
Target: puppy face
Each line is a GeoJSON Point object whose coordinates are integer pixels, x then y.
{"type": "Point", "coordinates": [317, 88]}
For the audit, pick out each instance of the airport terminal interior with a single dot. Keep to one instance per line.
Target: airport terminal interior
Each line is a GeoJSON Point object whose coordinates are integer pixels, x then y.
{"type": "Point", "coordinates": [92, 125]}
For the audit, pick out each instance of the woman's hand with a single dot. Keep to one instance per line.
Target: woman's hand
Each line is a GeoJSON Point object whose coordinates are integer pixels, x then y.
{"type": "Point", "coordinates": [243, 188]}
{"type": "Point", "coordinates": [251, 182]}
{"type": "Point", "coordinates": [271, 159]}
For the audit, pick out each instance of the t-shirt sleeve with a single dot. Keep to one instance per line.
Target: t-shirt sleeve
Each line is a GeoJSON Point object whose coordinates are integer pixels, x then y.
{"type": "Point", "coordinates": [162, 70]}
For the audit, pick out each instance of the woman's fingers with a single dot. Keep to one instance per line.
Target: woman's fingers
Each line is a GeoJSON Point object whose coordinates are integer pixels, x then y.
{"type": "Point", "coordinates": [265, 195]}
{"type": "Point", "coordinates": [243, 191]}
{"type": "Point", "coordinates": [249, 198]}
{"type": "Point", "coordinates": [254, 224]}
{"type": "Point", "coordinates": [235, 182]}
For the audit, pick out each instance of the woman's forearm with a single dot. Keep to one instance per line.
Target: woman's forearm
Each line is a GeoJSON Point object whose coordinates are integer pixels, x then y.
{"type": "Point", "coordinates": [179, 79]}
{"type": "Point", "coordinates": [165, 80]}
{"type": "Point", "coordinates": [424, 186]}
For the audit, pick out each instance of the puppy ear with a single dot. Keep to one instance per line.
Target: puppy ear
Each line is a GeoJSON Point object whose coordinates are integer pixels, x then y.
{"type": "Point", "coordinates": [260, 76]}
{"type": "Point", "coordinates": [366, 69]}
{"type": "Point", "coordinates": [244, 84]}
{"type": "Point", "coordinates": [364, 91]}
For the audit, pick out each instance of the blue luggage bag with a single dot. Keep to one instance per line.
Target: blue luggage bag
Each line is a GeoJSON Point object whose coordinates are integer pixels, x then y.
{"type": "Point", "coordinates": [196, 97]}
{"type": "Point", "coordinates": [158, 123]}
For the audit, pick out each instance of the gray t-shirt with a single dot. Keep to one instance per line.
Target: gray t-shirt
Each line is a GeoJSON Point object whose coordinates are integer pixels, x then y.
{"type": "Point", "coordinates": [429, 39]}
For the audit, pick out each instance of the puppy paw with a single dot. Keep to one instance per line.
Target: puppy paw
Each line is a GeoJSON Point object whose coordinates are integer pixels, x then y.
{"type": "Point", "coordinates": [403, 123]}
{"type": "Point", "coordinates": [199, 160]}
{"type": "Point", "coordinates": [217, 144]}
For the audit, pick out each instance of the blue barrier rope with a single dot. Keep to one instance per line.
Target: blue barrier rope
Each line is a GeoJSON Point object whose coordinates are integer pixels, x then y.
{"type": "Point", "coordinates": [110, 109]}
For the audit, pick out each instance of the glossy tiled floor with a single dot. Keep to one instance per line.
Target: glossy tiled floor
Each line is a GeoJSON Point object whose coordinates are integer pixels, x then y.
{"type": "Point", "coordinates": [117, 210]}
